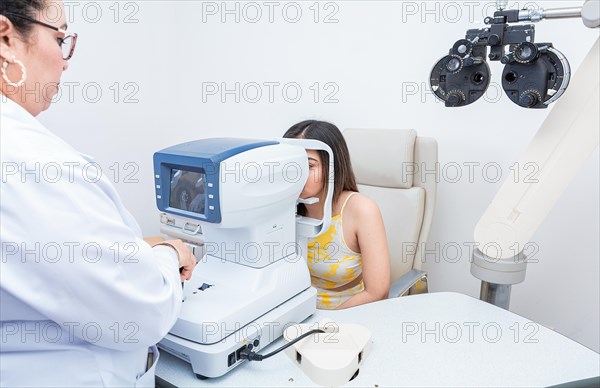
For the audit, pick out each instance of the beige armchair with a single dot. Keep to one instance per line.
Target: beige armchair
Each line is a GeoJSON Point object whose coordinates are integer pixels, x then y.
{"type": "Point", "coordinates": [399, 171]}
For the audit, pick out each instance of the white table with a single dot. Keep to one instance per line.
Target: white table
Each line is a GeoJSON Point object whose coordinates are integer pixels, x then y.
{"type": "Point", "coordinates": [439, 339]}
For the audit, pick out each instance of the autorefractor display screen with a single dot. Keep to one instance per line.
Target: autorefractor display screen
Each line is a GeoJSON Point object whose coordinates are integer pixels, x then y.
{"type": "Point", "coordinates": [187, 191]}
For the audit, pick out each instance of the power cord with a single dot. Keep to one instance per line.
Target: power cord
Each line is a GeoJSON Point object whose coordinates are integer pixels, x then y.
{"type": "Point", "coordinates": [248, 354]}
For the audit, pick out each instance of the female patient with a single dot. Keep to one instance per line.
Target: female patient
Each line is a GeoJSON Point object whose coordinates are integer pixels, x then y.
{"type": "Point", "coordinates": [349, 263]}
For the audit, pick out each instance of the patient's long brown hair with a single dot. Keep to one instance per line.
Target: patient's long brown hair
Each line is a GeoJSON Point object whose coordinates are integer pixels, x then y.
{"type": "Point", "coordinates": [342, 167]}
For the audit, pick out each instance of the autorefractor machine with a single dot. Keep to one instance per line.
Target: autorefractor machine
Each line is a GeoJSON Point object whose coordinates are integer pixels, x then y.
{"type": "Point", "coordinates": [233, 201]}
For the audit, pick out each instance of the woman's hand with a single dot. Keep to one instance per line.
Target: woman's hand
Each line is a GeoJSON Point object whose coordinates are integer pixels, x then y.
{"type": "Point", "coordinates": [153, 240]}
{"type": "Point", "coordinates": [187, 260]}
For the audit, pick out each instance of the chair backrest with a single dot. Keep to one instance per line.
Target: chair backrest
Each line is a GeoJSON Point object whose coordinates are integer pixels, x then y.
{"type": "Point", "coordinates": [399, 171]}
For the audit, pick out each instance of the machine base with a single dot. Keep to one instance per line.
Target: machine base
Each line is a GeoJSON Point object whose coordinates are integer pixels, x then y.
{"type": "Point", "coordinates": [216, 359]}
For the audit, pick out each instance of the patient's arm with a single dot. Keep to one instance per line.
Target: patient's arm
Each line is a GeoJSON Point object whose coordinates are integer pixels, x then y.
{"type": "Point", "coordinates": [370, 232]}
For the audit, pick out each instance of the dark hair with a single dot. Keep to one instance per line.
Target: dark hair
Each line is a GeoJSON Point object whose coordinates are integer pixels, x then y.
{"type": "Point", "coordinates": [332, 136]}
{"type": "Point", "coordinates": [26, 8]}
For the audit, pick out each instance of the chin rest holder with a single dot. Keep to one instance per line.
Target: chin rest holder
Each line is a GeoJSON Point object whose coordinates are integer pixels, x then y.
{"type": "Point", "coordinates": [331, 358]}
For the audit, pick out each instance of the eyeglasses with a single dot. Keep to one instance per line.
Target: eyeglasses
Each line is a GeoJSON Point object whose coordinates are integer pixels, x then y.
{"type": "Point", "coordinates": [67, 43]}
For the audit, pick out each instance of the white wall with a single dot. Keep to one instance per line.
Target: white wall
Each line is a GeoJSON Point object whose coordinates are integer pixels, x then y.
{"type": "Point", "coordinates": [372, 57]}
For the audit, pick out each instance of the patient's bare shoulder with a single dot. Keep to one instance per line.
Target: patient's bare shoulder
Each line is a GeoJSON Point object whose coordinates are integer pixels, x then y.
{"type": "Point", "coordinates": [361, 207]}
{"type": "Point", "coordinates": [361, 216]}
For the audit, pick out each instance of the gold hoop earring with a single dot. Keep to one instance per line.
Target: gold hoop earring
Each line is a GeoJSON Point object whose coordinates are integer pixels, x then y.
{"type": "Point", "coordinates": [23, 75]}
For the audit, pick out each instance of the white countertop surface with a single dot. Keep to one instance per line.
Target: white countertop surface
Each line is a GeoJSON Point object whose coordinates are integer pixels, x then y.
{"type": "Point", "coordinates": [438, 339]}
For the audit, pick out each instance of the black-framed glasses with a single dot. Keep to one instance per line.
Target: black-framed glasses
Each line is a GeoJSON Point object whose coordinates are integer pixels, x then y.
{"type": "Point", "coordinates": [67, 43]}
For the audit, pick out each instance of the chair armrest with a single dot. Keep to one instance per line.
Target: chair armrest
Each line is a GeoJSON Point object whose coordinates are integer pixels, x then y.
{"type": "Point", "coordinates": [412, 282]}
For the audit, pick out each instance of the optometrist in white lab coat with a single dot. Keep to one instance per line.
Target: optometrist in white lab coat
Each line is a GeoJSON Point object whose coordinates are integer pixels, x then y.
{"type": "Point", "coordinates": [83, 297]}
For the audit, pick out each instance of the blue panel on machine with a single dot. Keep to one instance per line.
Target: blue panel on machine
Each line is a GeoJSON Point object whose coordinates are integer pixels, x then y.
{"type": "Point", "coordinates": [186, 176]}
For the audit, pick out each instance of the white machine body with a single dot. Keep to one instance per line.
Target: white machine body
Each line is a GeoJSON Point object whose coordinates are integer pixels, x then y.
{"type": "Point", "coordinates": [251, 279]}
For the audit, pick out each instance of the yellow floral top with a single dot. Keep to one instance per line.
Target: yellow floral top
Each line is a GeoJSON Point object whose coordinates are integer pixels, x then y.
{"type": "Point", "coordinates": [333, 264]}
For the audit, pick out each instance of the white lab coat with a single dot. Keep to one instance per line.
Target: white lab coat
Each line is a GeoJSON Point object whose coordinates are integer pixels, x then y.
{"type": "Point", "coordinates": [83, 297]}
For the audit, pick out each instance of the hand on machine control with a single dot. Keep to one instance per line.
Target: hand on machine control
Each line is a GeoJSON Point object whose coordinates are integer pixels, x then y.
{"type": "Point", "coordinates": [187, 260]}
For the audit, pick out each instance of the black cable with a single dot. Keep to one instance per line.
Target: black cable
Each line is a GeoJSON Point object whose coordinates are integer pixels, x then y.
{"type": "Point", "coordinates": [249, 355]}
